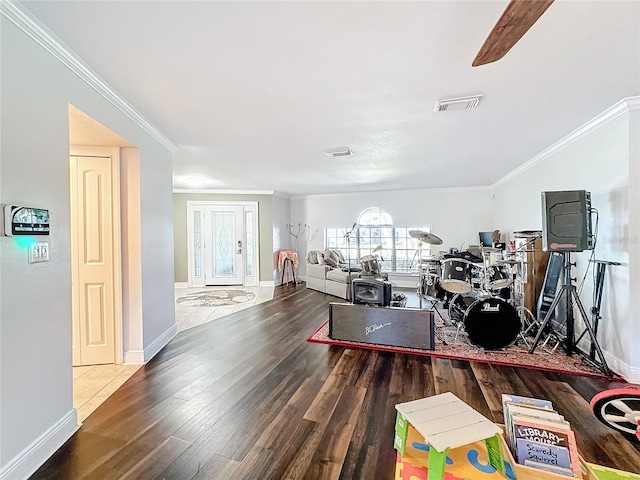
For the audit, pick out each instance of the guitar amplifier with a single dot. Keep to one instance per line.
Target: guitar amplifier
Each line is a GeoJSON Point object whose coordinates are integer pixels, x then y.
{"type": "Point", "coordinates": [392, 326]}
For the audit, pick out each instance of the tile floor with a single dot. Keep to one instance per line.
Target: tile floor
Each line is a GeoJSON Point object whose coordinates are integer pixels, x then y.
{"type": "Point", "coordinates": [93, 384]}
{"type": "Point", "coordinates": [190, 316]}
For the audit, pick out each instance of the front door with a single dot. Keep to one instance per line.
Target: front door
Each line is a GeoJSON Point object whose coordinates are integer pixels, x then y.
{"type": "Point", "coordinates": [223, 229]}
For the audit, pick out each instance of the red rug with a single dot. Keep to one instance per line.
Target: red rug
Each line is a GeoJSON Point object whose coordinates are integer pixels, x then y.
{"type": "Point", "coordinates": [515, 355]}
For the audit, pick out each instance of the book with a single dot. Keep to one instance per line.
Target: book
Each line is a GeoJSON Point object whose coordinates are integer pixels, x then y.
{"type": "Point", "coordinates": [509, 400]}
{"type": "Point", "coordinates": [545, 435]}
{"type": "Point", "coordinates": [512, 410]}
{"type": "Point", "coordinates": [567, 472]}
{"type": "Point", "coordinates": [532, 453]}
{"type": "Point", "coordinates": [533, 402]}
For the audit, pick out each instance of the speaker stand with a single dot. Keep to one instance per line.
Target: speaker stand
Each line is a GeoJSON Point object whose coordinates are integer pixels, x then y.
{"type": "Point", "coordinates": [568, 290]}
{"type": "Point", "coordinates": [598, 286]}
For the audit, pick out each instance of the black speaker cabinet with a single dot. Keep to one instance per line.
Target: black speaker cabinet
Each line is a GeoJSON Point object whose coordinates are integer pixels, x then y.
{"type": "Point", "coordinates": [392, 326]}
{"type": "Point", "coordinates": [566, 221]}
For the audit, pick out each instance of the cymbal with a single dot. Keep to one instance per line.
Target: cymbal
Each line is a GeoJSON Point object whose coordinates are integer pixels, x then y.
{"type": "Point", "coordinates": [426, 237]}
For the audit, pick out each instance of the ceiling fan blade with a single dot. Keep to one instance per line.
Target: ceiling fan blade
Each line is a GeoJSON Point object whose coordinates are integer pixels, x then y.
{"type": "Point", "coordinates": [517, 18]}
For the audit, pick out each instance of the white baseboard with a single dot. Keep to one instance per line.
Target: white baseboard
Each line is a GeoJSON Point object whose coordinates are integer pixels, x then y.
{"type": "Point", "coordinates": [626, 371]}
{"type": "Point", "coordinates": [181, 285]}
{"type": "Point", "coordinates": [133, 357]}
{"type": "Point", "coordinates": [31, 458]}
{"type": "Point", "coordinates": [159, 343]}
{"type": "Point", "coordinates": [267, 283]}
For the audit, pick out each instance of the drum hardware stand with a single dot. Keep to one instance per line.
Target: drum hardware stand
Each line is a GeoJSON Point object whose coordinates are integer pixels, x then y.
{"type": "Point", "coordinates": [598, 286]}
{"type": "Point", "coordinates": [531, 329]}
{"type": "Point", "coordinates": [458, 328]}
{"type": "Point", "coordinates": [433, 307]}
{"type": "Point", "coordinates": [522, 313]}
{"type": "Point", "coordinates": [440, 337]}
{"type": "Point", "coordinates": [568, 289]}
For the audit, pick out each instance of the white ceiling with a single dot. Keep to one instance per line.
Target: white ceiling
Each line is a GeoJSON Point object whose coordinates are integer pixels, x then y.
{"type": "Point", "coordinates": [254, 92]}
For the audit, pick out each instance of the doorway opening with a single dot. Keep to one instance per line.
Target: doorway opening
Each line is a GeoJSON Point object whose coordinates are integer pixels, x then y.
{"type": "Point", "coordinates": [100, 199]}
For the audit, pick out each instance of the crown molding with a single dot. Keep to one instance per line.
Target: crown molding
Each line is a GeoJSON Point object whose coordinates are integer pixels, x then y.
{"type": "Point", "coordinates": [475, 188]}
{"type": "Point", "coordinates": [284, 195]}
{"type": "Point", "coordinates": [623, 106]}
{"type": "Point", "coordinates": [16, 13]}
{"type": "Point", "coordinates": [222, 191]}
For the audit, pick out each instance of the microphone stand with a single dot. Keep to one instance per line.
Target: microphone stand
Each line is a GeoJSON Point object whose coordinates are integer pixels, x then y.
{"type": "Point", "coordinates": [350, 286]}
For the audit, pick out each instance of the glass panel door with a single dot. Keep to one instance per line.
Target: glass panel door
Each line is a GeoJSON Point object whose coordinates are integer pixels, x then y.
{"type": "Point", "coordinates": [224, 245]}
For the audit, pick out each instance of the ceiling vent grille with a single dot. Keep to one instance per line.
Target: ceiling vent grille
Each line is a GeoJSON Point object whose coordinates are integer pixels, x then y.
{"type": "Point", "coordinates": [458, 103]}
{"type": "Point", "coordinates": [339, 152]}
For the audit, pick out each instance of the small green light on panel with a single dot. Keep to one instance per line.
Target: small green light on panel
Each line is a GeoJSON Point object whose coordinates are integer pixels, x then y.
{"type": "Point", "coordinates": [25, 242]}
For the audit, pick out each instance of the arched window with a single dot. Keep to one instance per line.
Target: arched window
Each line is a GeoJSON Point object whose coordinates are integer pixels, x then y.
{"type": "Point", "coordinates": [375, 216]}
{"type": "Point", "coordinates": [375, 234]}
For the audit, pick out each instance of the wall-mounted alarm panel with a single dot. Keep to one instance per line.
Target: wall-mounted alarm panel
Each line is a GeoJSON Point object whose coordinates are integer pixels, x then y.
{"type": "Point", "coordinates": [25, 221]}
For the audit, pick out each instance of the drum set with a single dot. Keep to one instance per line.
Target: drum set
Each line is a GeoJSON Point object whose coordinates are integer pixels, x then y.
{"type": "Point", "coordinates": [482, 291]}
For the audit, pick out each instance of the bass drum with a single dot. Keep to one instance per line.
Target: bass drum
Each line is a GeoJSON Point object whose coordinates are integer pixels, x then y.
{"type": "Point", "coordinates": [492, 323]}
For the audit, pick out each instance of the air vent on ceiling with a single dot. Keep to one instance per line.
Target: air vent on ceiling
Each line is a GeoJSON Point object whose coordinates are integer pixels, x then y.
{"type": "Point", "coordinates": [339, 152]}
{"type": "Point", "coordinates": [458, 103]}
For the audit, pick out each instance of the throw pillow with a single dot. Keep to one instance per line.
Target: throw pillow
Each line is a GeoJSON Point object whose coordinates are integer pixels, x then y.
{"type": "Point", "coordinates": [330, 261]}
{"type": "Point", "coordinates": [312, 257]}
{"type": "Point", "coordinates": [321, 259]}
{"type": "Point", "coordinates": [328, 253]}
{"type": "Point", "coordinates": [340, 256]}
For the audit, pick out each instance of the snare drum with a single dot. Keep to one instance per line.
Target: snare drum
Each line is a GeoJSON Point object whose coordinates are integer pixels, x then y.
{"type": "Point", "coordinates": [456, 275]}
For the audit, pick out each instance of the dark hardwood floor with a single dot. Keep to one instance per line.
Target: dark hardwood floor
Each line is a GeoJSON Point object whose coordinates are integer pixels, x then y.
{"type": "Point", "coordinates": [247, 397]}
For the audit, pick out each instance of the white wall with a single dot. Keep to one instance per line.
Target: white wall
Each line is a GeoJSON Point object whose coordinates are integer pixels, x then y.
{"type": "Point", "coordinates": [132, 287]}
{"type": "Point", "coordinates": [35, 301]}
{"type": "Point", "coordinates": [595, 158]}
{"type": "Point", "coordinates": [282, 240]}
{"type": "Point", "coordinates": [456, 215]}
{"type": "Point", "coordinates": [633, 234]}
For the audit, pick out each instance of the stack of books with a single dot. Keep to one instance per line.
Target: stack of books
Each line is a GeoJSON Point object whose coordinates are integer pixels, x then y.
{"type": "Point", "coordinates": [539, 437]}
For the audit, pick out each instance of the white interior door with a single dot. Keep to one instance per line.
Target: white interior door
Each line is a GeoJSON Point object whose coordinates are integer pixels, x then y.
{"type": "Point", "coordinates": [94, 210]}
{"type": "Point", "coordinates": [224, 245]}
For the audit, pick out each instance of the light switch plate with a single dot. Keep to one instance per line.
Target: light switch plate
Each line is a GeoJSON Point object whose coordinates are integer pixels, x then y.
{"type": "Point", "coordinates": [39, 252]}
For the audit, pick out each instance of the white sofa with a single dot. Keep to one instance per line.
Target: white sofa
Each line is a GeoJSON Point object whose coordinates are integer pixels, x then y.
{"type": "Point", "coordinates": [326, 278]}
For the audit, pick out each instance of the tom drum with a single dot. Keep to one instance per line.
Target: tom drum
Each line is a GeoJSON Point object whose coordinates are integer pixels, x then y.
{"type": "Point", "coordinates": [498, 277]}
{"type": "Point", "coordinates": [456, 275]}
{"type": "Point", "coordinates": [370, 265]}
{"type": "Point", "coordinates": [431, 289]}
